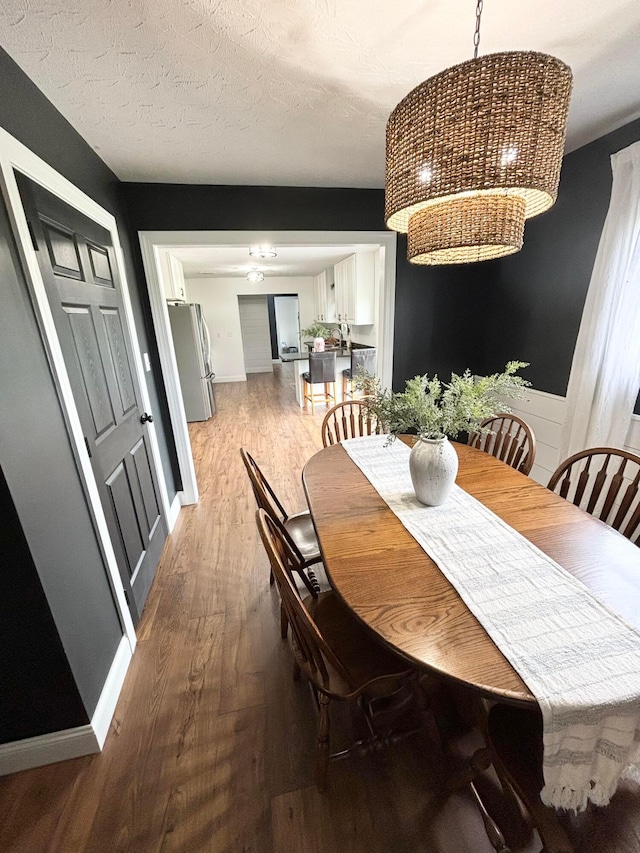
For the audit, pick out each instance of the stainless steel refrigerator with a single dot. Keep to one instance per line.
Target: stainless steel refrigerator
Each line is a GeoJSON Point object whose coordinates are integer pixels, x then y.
{"type": "Point", "coordinates": [192, 345]}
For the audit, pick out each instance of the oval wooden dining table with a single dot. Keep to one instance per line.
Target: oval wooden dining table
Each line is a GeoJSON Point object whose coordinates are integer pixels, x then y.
{"type": "Point", "coordinates": [390, 583]}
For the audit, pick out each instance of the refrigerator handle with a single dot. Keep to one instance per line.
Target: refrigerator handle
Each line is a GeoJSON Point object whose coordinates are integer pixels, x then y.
{"type": "Point", "coordinates": [207, 340]}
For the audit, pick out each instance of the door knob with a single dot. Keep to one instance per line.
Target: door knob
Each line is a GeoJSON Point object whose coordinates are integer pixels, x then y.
{"type": "Point", "coordinates": [146, 419]}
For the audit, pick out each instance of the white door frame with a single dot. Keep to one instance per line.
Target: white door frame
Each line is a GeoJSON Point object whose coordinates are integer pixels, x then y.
{"type": "Point", "coordinates": [15, 155]}
{"type": "Point", "coordinates": [154, 242]}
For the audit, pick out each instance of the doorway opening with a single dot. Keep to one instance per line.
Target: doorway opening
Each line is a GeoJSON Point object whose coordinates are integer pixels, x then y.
{"type": "Point", "coordinates": [284, 324]}
{"type": "Point", "coordinates": [222, 286]}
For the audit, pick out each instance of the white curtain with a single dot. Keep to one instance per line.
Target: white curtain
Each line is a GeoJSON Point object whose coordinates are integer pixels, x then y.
{"type": "Point", "coordinates": [605, 373]}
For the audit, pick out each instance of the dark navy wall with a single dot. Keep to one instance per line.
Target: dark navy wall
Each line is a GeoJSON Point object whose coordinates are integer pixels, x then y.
{"type": "Point", "coordinates": [535, 298]}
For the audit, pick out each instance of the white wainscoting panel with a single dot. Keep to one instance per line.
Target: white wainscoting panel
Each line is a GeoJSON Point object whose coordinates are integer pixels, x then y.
{"type": "Point", "coordinates": [632, 443]}
{"type": "Point", "coordinates": [545, 415]}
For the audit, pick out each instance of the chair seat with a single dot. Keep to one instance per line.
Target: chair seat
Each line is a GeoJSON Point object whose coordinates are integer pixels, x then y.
{"type": "Point", "coordinates": [307, 378]}
{"type": "Point", "coordinates": [363, 658]}
{"type": "Point", "coordinates": [301, 529]}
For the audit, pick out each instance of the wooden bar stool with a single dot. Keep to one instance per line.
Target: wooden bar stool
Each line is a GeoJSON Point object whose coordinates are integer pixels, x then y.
{"type": "Point", "coordinates": [366, 359]}
{"type": "Point", "coordinates": [322, 369]}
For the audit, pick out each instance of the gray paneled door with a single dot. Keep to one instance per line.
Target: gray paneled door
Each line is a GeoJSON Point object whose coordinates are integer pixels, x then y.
{"type": "Point", "coordinates": [78, 266]}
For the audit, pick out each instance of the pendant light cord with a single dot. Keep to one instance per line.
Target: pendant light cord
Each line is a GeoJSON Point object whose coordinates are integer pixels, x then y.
{"type": "Point", "coordinates": [476, 35]}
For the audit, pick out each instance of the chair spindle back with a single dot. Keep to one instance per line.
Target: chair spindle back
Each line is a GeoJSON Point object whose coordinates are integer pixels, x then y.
{"type": "Point", "coordinates": [349, 420]}
{"type": "Point", "coordinates": [312, 652]}
{"type": "Point", "coordinates": [511, 440]}
{"type": "Point", "coordinates": [265, 497]}
{"type": "Point", "coordinates": [605, 482]}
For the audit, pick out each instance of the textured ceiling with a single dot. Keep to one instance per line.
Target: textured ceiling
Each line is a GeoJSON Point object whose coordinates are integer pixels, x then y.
{"type": "Point", "coordinates": [292, 92]}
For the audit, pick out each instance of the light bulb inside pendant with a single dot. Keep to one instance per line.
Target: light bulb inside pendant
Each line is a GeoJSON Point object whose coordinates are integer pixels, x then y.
{"type": "Point", "coordinates": [493, 128]}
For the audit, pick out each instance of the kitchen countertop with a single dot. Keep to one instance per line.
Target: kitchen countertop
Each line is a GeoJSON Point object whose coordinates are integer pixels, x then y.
{"type": "Point", "coordinates": [341, 352]}
{"type": "Point", "coordinates": [304, 356]}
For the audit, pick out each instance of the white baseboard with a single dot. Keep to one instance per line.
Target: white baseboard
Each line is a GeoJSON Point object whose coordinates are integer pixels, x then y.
{"type": "Point", "coordinates": [174, 511]}
{"type": "Point", "coordinates": [106, 706]}
{"type": "Point", "coordinates": [71, 743]}
{"type": "Point", "coordinates": [241, 377]}
{"type": "Point", "coordinates": [47, 749]}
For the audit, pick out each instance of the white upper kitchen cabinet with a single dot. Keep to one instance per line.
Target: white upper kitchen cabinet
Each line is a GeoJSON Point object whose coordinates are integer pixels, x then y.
{"type": "Point", "coordinates": [355, 289]}
{"type": "Point", "coordinates": [320, 301]}
{"type": "Point", "coordinates": [175, 287]}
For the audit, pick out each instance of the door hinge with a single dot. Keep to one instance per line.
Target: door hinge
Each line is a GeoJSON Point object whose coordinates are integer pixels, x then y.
{"type": "Point", "coordinates": [86, 444]}
{"type": "Point", "coordinates": [34, 242]}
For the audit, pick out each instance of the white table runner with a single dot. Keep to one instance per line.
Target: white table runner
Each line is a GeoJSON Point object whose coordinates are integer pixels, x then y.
{"type": "Point", "coordinates": [580, 660]}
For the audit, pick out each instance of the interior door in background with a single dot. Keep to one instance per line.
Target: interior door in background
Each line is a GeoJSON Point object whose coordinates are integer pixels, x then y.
{"type": "Point", "coordinates": [256, 336]}
{"type": "Point", "coordinates": [78, 266]}
{"type": "Point", "coordinates": [287, 322]}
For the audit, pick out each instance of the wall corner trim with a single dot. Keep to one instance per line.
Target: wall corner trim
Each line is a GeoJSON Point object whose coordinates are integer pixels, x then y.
{"type": "Point", "coordinates": [106, 706]}
{"type": "Point", "coordinates": [174, 510]}
{"type": "Point", "coordinates": [71, 743]}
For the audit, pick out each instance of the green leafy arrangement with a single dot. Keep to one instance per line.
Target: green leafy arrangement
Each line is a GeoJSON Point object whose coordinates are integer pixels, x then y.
{"type": "Point", "coordinates": [435, 409]}
{"type": "Point", "coordinates": [316, 331]}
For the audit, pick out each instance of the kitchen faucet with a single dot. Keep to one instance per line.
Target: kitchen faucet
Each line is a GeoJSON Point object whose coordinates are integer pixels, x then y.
{"type": "Point", "coordinates": [341, 335]}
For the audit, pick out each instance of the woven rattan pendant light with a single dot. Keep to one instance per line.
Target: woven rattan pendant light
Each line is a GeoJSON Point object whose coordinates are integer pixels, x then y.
{"type": "Point", "coordinates": [475, 151]}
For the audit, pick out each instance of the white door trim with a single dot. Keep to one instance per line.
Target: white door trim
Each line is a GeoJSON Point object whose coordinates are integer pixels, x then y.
{"type": "Point", "coordinates": [15, 155]}
{"type": "Point", "coordinates": [153, 242]}
{"type": "Point", "coordinates": [160, 314]}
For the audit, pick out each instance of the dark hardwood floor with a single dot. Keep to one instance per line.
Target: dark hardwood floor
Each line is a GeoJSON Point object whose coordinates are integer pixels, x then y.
{"type": "Point", "coordinates": [211, 747]}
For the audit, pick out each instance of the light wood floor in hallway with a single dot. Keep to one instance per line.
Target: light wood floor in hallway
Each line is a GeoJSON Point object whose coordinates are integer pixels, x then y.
{"type": "Point", "coordinates": [211, 747]}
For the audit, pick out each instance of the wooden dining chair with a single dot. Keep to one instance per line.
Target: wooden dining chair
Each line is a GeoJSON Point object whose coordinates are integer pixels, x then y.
{"type": "Point", "coordinates": [605, 482]}
{"type": "Point", "coordinates": [362, 359]}
{"type": "Point", "coordinates": [511, 440]}
{"type": "Point", "coordinates": [349, 420]}
{"type": "Point", "coordinates": [322, 370]}
{"type": "Point", "coordinates": [298, 527]}
{"type": "Point", "coordinates": [339, 657]}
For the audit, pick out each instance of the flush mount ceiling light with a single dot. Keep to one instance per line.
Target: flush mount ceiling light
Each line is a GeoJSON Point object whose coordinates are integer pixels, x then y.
{"type": "Point", "coordinates": [475, 151]}
{"type": "Point", "coordinates": [263, 251]}
{"type": "Point", "coordinates": [255, 276]}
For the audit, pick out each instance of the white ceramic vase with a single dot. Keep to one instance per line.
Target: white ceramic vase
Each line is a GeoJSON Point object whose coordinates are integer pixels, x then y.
{"type": "Point", "coordinates": [433, 464]}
